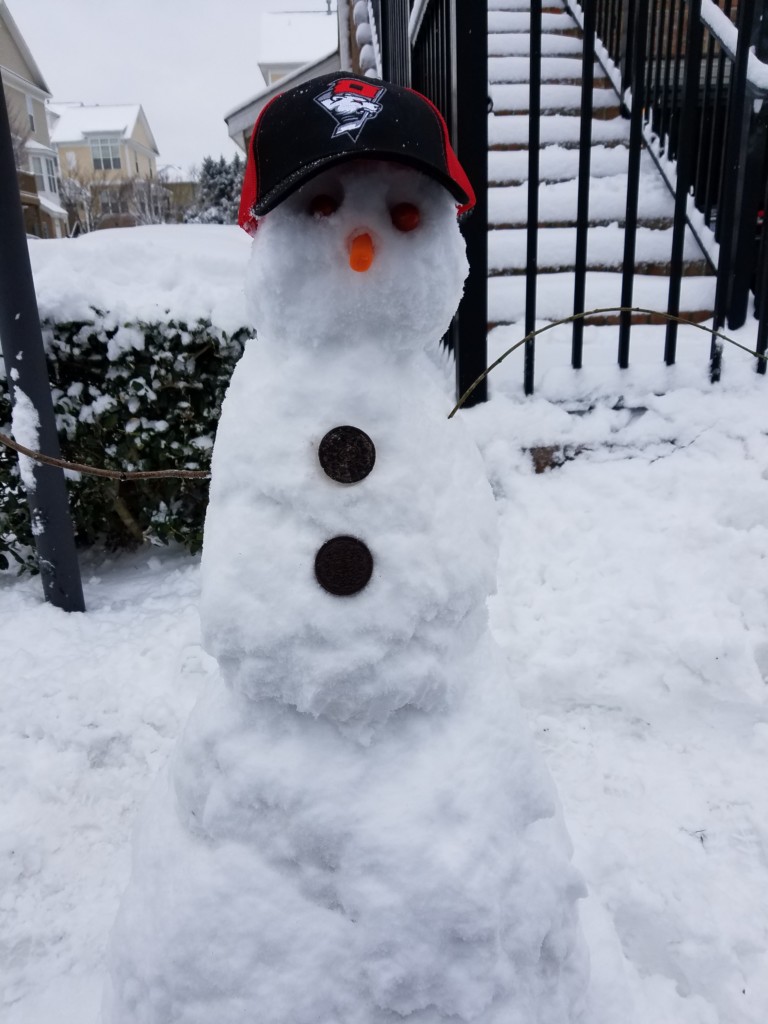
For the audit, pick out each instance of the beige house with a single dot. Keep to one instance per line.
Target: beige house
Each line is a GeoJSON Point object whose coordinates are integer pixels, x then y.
{"type": "Point", "coordinates": [108, 161]}
{"type": "Point", "coordinates": [25, 93]}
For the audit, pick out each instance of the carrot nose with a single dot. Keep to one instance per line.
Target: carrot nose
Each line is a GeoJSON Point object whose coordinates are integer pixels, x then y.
{"type": "Point", "coordinates": [361, 252]}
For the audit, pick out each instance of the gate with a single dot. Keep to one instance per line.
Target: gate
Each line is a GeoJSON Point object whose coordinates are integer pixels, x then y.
{"type": "Point", "coordinates": [440, 48]}
{"type": "Point", "coordinates": [694, 96]}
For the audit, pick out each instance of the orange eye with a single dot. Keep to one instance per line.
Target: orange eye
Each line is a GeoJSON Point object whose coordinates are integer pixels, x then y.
{"type": "Point", "coordinates": [323, 206]}
{"type": "Point", "coordinates": [405, 216]}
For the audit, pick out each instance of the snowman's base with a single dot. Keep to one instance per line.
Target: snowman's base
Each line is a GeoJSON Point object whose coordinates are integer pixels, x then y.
{"type": "Point", "coordinates": [286, 874]}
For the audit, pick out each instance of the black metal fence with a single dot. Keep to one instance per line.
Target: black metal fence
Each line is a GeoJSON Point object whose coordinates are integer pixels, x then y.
{"type": "Point", "coordinates": [440, 48]}
{"type": "Point", "coordinates": [693, 100]}
{"type": "Point", "coordinates": [687, 86]}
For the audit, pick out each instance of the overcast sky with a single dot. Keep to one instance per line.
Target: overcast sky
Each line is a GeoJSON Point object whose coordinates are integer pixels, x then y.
{"type": "Point", "coordinates": [188, 62]}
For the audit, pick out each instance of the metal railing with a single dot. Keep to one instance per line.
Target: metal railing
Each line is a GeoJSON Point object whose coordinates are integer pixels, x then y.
{"type": "Point", "coordinates": [440, 48]}
{"type": "Point", "coordinates": [696, 98]}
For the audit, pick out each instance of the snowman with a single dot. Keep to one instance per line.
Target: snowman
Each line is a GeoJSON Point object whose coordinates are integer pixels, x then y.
{"type": "Point", "coordinates": [355, 827]}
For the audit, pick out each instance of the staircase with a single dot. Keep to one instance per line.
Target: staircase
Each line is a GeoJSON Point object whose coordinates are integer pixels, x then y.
{"type": "Point", "coordinates": [509, 45]}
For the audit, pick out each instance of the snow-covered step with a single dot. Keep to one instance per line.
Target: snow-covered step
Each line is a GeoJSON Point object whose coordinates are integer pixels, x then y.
{"type": "Point", "coordinates": [554, 299]}
{"type": "Point", "coordinates": [513, 130]}
{"type": "Point", "coordinates": [553, 69]}
{"type": "Point", "coordinates": [559, 163]}
{"type": "Point", "coordinates": [514, 99]}
{"type": "Point", "coordinates": [508, 205]}
{"type": "Point", "coordinates": [520, 21]}
{"type": "Point", "coordinates": [560, 130]}
{"type": "Point", "coordinates": [523, 5]}
{"type": "Point", "coordinates": [519, 45]}
{"type": "Point", "coordinates": [605, 249]}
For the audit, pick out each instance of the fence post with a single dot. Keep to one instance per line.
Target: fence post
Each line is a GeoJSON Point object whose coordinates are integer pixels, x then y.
{"type": "Point", "coordinates": [738, 223]}
{"type": "Point", "coordinates": [395, 45]}
{"type": "Point", "coordinates": [685, 168]}
{"type": "Point", "coordinates": [534, 156]}
{"type": "Point", "coordinates": [585, 155]}
{"type": "Point", "coordinates": [639, 37]}
{"type": "Point", "coordinates": [470, 129]}
{"type": "Point", "coordinates": [27, 373]}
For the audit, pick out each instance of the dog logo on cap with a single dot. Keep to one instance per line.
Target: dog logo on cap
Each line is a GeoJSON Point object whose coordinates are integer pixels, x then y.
{"type": "Point", "coordinates": [351, 103]}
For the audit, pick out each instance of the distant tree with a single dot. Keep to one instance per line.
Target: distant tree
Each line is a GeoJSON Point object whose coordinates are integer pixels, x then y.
{"type": "Point", "coordinates": [219, 186]}
{"type": "Point", "coordinates": [20, 135]}
{"type": "Point", "coordinates": [79, 194]}
{"type": "Point", "coordinates": [149, 202]}
{"type": "Point", "coordinates": [92, 199]}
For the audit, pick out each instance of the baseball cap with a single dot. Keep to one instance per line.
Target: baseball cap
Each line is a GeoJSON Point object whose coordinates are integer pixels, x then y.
{"type": "Point", "coordinates": [339, 117]}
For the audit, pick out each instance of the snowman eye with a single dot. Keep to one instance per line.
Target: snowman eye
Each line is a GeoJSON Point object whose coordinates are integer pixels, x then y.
{"type": "Point", "coordinates": [405, 216]}
{"type": "Point", "coordinates": [323, 205]}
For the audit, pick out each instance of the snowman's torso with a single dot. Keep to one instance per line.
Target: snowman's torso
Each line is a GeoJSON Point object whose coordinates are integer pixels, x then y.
{"type": "Point", "coordinates": [424, 511]}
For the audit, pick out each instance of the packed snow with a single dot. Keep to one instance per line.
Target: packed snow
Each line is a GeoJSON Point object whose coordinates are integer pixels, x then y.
{"type": "Point", "coordinates": [553, 69]}
{"type": "Point", "coordinates": [26, 430]}
{"type": "Point", "coordinates": [510, 98]}
{"type": "Point", "coordinates": [356, 803]}
{"type": "Point", "coordinates": [158, 275]}
{"type": "Point", "coordinates": [558, 201]}
{"type": "Point", "coordinates": [631, 607]}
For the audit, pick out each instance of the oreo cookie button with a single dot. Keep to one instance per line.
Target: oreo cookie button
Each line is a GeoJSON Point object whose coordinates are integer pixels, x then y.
{"type": "Point", "coordinates": [347, 454]}
{"type": "Point", "coordinates": [343, 566]}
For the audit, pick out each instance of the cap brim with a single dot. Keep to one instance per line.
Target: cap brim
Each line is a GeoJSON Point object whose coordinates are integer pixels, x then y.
{"type": "Point", "coordinates": [306, 173]}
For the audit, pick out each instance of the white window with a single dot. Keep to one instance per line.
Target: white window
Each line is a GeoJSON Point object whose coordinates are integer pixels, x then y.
{"type": "Point", "coordinates": [51, 176]}
{"type": "Point", "coordinates": [112, 201]}
{"type": "Point", "coordinates": [44, 170]}
{"type": "Point", "coordinates": [106, 154]}
{"type": "Point", "coordinates": [37, 170]}
{"type": "Point", "coordinates": [31, 113]}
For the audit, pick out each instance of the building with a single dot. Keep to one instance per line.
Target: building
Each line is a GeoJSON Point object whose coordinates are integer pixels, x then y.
{"type": "Point", "coordinates": [108, 160]}
{"type": "Point", "coordinates": [26, 92]}
{"type": "Point", "coordinates": [293, 48]}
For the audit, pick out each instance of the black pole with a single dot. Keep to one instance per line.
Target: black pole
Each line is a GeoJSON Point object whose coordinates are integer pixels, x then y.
{"type": "Point", "coordinates": [395, 47]}
{"type": "Point", "coordinates": [734, 232]}
{"type": "Point", "coordinates": [534, 142]}
{"type": "Point", "coordinates": [585, 154]}
{"type": "Point", "coordinates": [640, 29]}
{"type": "Point", "coordinates": [762, 295]}
{"type": "Point", "coordinates": [27, 373]}
{"type": "Point", "coordinates": [470, 105]}
{"type": "Point", "coordinates": [686, 158]}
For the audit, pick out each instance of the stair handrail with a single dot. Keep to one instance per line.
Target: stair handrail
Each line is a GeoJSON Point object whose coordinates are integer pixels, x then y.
{"type": "Point", "coordinates": [727, 34]}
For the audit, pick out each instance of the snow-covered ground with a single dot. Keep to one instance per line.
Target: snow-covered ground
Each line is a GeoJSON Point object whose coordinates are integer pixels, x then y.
{"type": "Point", "coordinates": [632, 603]}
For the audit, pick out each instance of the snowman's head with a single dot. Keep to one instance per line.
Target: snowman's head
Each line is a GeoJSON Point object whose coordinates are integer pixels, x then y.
{"type": "Point", "coordinates": [352, 192]}
{"type": "Point", "coordinates": [366, 252]}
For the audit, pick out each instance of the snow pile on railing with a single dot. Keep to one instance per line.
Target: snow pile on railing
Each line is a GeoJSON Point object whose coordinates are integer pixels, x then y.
{"type": "Point", "coordinates": [721, 26]}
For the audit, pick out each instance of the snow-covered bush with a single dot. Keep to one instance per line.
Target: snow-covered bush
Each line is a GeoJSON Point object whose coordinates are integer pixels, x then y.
{"type": "Point", "coordinates": [127, 396]}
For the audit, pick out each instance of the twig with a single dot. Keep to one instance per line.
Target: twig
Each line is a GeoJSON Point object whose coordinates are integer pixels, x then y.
{"type": "Point", "coordinates": [202, 474]}
{"type": "Point", "coordinates": [109, 474]}
{"type": "Point", "coordinates": [596, 312]}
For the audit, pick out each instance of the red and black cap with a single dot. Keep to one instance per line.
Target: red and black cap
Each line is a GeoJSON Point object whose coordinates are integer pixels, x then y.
{"type": "Point", "coordinates": [340, 117]}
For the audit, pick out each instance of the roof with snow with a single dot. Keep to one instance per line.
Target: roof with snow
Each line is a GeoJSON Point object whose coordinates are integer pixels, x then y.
{"type": "Point", "coordinates": [75, 122]}
{"type": "Point", "coordinates": [26, 54]}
